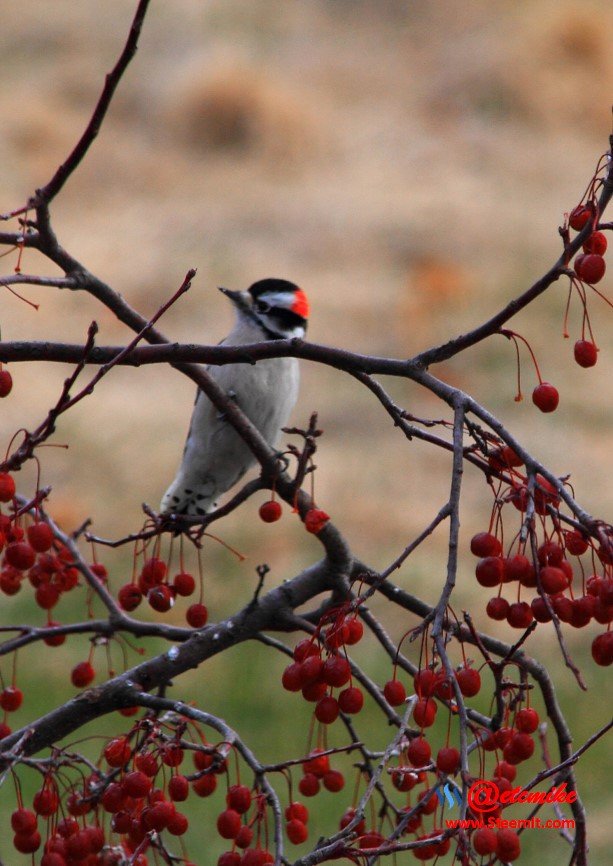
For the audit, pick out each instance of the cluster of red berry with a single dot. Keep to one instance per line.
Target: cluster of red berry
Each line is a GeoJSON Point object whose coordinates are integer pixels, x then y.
{"type": "Point", "coordinates": [154, 583]}
{"type": "Point", "coordinates": [314, 520]}
{"type": "Point", "coordinates": [512, 744]}
{"type": "Point", "coordinates": [316, 771]}
{"type": "Point", "coordinates": [590, 268]}
{"type": "Point", "coordinates": [124, 808]}
{"type": "Point", "coordinates": [321, 665]}
{"type": "Point", "coordinates": [574, 599]}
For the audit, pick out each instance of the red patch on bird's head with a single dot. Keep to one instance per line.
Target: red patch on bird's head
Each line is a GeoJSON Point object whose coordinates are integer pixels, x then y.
{"type": "Point", "coordinates": [300, 305]}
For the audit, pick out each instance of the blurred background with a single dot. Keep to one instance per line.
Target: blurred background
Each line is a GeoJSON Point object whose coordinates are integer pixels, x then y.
{"type": "Point", "coordinates": [408, 164]}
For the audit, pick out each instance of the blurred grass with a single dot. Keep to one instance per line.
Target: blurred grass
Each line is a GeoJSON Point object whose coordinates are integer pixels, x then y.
{"type": "Point", "coordinates": [408, 164]}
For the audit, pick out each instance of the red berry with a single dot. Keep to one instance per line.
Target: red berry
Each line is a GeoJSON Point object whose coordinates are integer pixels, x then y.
{"type": "Point", "coordinates": [348, 817]}
{"type": "Point", "coordinates": [485, 544]}
{"type": "Point", "coordinates": [545, 397]}
{"type": "Point", "coordinates": [228, 824]}
{"type": "Point", "coordinates": [487, 740]}
{"type": "Point", "coordinates": [291, 679]}
{"type": "Point", "coordinates": [336, 671]}
{"type": "Point", "coordinates": [178, 788]}
{"type": "Point", "coordinates": [7, 487]}
{"type": "Point", "coordinates": [197, 615]}
{"type": "Point", "coordinates": [593, 585]}
{"type": "Point", "coordinates": [520, 568]}
{"type": "Point", "coordinates": [444, 687]}
{"type": "Point", "coordinates": [527, 720]}
{"type": "Point", "coordinates": [370, 840]}
{"type": "Point", "coordinates": [308, 785]}
{"type": "Point", "coordinates": [334, 781]}
{"type": "Point", "coordinates": [239, 798]}
{"type": "Point", "coordinates": [11, 699]}
{"type": "Point", "coordinates": [424, 712]}
{"type": "Point", "coordinates": [520, 615]}
{"type": "Point", "coordinates": [311, 670]}
{"type": "Point", "coordinates": [550, 553]}
{"type": "Point", "coordinates": [553, 580]}
{"type": "Point", "coordinates": [136, 784]}
{"type": "Point", "coordinates": [583, 611]}
{"type": "Point", "coordinates": [6, 383]}
{"type": "Point", "coordinates": [10, 580]}
{"type": "Point", "coordinates": [306, 647]}
{"type": "Point", "coordinates": [596, 243]}
{"type": "Point", "coordinates": [316, 763]}
{"type": "Point", "coordinates": [448, 759]}
{"type": "Point", "coordinates": [508, 847]}
{"type": "Point", "coordinates": [424, 682]}
{"type": "Point", "coordinates": [117, 752]}
{"type": "Point", "coordinates": [296, 831]}
{"type": "Point", "coordinates": [229, 858]}
{"type": "Point", "coordinates": [469, 681]}
{"type": "Point", "coordinates": [112, 799]}
{"type": "Point", "coordinates": [355, 631]}
{"type": "Point", "coordinates": [20, 555]}
{"type": "Point", "coordinates": [40, 536]}
{"type": "Point", "coordinates": [28, 843]}
{"type": "Point", "coordinates": [205, 785]}
{"type": "Point", "coordinates": [160, 598]}
{"type": "Point", "coordinates": [82, 675]}
{"type": "Point", "coordinates": [563, 607]}
{"type": "Point", "coordinates": [544, 495]}
{"type": "Point", "coordinates": [484, 841]}
{"type": "Point", "coordinates": [327, 710]}
{"type": "Point", "coordinates": [315, 519]}
{"type": "Point", "coordinates": [497, 608]}
{"type": "Point", "coordinates": [23, 821]}
{"type": "Point", "coordinates": [602, 649]}
{"type": "Point", "coordinates": [270, 511]}
{"type": "Point", "coordinates": [605, 591]}
{"type": "Point", "coordinates": [539, 610]}
{"type": "Point", "coordinates": [47, 595]}
{"type": "Point", "coordinates": [45, 801]}
{"type": "Point", "coordinates": [576, 543]}
{"type": "Point", "coordinates": [314, 692]}
{"type": "Point", "coordinates": [255, 857]}
{"type": "Point", "coordinates": [404, 780]}
{"type": "Point", "coordinates": [351, 700]}
{"type": "Point", "coordinates": [245, 837]}
{"type": "Point", "coordinates": [505, 771]}
{"type": "Point", "coordinates": [579, 216]}
{"type": "Point", "coordinates": [419, 752]}
{"type": "Point", "coordinates": [430, 804]}
{"type": "Point", "coordinates": [157, 816]}
{"type": "Point", "coordinates": [590, 268]}
{"type": "Point", "coordinates": [177, 824]}
{"type": "Point", "coordinates": [297, 810]}
{"type": "Point", "coordinates": [129, 597]}
{"type": "Point", "coordinates": [490, 571]}
{"type": "Point", "coordinates": [394, 693]}
{"type": "Point", "coordinates": [172, 755]}
{"type": "Point", "coordinates": [56, 639]}
{"type": "Point", "coordinates": [154, 572]}
{"type": "Point", "coordinates": [504, 458]}
{"type": "Point", "coordinates": [519, 748]}
{"type": "Point", "coordinates": [184, 584]}
{"type": "Point", "coordinates": [586, 353]}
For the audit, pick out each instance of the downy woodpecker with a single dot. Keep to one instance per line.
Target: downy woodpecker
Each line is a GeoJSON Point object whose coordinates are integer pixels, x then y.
{"type": "Point", "coordinates": [215, 457]}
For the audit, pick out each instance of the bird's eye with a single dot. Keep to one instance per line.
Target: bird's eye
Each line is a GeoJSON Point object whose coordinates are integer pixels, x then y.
{"type": "Point", "coordinates": [262, 306]}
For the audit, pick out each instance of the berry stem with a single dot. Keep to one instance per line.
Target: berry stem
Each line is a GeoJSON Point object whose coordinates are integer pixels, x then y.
{"type": "Point", "coordinates": [515, 336]}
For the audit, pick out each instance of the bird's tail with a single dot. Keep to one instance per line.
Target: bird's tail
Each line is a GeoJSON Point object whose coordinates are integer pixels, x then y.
{"type": "Point", "coordinates": [185, 497]}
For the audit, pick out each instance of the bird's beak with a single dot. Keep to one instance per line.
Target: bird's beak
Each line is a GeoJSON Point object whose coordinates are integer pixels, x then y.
{"type": "Point", "coordinates": [241, 300]}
